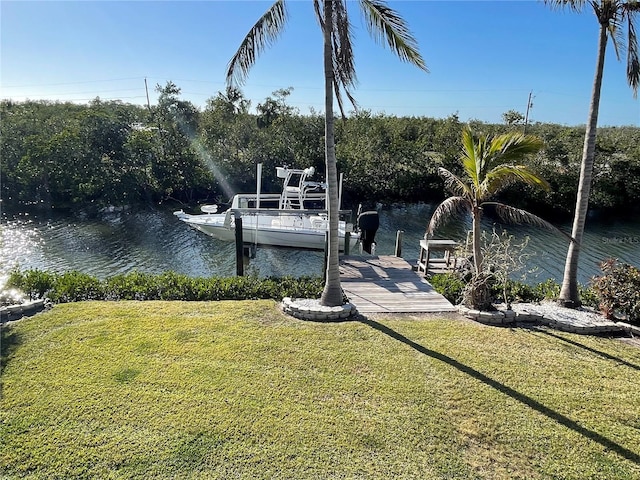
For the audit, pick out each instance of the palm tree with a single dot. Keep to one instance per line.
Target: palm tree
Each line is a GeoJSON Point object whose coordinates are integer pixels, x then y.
{"type": "Point", "coordinates": [488, 166]}
{"type": "Point", "coordinates": [383, 24]}
{"type": "Point", "coordinates": [611, 15]}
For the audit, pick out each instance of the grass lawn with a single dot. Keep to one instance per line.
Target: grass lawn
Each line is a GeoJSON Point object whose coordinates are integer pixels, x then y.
{"type": "Point", "coordinates": [238, 390]}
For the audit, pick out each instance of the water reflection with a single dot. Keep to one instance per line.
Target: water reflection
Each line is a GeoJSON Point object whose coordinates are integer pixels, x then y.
{"type": "Point", "coordinates": [154, 241]}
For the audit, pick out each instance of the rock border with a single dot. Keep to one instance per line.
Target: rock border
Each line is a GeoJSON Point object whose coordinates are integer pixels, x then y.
{"type": "Point", "coordinates": [310, 309]}
{"type": "Point", "coordinates": [26, 309]}
{"type": "Point", "coordinates": [567, 321]}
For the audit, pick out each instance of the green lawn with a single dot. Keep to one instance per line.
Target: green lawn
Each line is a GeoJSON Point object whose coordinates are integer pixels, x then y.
{"type": "Point", "coordinates": [238, 390]}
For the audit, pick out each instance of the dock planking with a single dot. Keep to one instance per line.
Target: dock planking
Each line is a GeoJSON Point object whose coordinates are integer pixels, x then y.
{"type": "Point", "coordinates": [388, 284]}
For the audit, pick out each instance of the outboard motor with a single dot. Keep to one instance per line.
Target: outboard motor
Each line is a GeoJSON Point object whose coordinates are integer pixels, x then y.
{"type": "Point", "coordinates": [368, 223]}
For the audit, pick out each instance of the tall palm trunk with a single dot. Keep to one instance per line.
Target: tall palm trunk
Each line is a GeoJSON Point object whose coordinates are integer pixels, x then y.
{"type": "Point", "coordinates": [569, 292]}
{"type": "Point", "coordinates": [332, 293]}
{"type": "Point", "coordinates": [477, 242]}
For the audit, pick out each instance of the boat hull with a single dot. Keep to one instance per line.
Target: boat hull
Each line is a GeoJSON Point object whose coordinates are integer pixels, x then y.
{"type": "Point", "coordinates": [300, 231]}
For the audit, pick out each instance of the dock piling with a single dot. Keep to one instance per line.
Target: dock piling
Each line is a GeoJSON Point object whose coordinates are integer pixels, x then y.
{"type": "Point", "coordinates": [239, 245]}
{"type": "Point", "coordinates": [399, 235]}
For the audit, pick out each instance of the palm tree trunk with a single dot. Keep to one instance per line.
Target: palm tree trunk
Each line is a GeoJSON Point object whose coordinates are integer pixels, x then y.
{"type": "Point", "coordinates": [569, 296]}
{"type": "Point", "coordinates": [477, 246]}
{"type": "Point", "coordinates": [332, 293]}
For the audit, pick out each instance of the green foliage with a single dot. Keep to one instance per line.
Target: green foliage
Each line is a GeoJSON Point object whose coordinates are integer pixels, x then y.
{"type": "Point", "coordinates": [452, 285]}
{"type": "Point", "coordinates": [75, 286]}
{"type": "Point", "coordinates": [547, 290]}
{"type": "Point", "coordinates": [619, 290]}
{"type": "Point", "coordinates": [518, 291]}
{"type": "Point", "coordinates": [132, 286]}
{"type": "Point", "coordinates": [111, 153]}
{"type": "Point", "coordinates": [34, 283]}
{"type": "Point", "coordinates": [449, 285]}
{"type": "Point", "coordinates": [588, 296]}
{"type": "Point", "coordinates": [513, 118]}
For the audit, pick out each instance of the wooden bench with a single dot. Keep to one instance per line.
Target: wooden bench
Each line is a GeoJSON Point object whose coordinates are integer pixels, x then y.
{"type": "Point", "coordinates": [437, 264]}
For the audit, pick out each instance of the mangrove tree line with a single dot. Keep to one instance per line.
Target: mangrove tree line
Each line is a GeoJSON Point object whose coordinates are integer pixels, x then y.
{"type": "Point", "coordinates": [109, 153]}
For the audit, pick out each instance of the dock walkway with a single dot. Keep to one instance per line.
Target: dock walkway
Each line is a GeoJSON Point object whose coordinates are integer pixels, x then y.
{"type": "Point", "coordinates": [388, 284]}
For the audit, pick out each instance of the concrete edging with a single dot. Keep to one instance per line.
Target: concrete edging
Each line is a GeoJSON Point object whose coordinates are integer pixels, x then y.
{"type": "Point", "coordinates": [310, 309]}
{"type": "Point", "coordinates": [16, 312]}
{"type": "Point", "coordinates": [511, 317]}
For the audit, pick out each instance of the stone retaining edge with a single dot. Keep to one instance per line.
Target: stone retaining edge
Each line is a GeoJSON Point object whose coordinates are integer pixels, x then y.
{"type": "Point", "coordinates": [510, 317]}
{"type": "Point", "coordinates": [26, 309]}
{"type": "Point", "coordinates": [317, 313]}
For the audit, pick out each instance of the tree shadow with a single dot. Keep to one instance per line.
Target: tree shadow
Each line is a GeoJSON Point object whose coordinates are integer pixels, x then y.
{"type": "Point", "coordinates": [592, 350]}
{"type": "Point", "coordinates": [524, 399]}
{"type": "Point", "coordinates": [9, 341]}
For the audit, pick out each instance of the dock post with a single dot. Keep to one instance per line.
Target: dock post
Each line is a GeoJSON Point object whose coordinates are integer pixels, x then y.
{"type": "Point", "coordinates": [239, 245]}
{"type": "Point", "coordinates": [399, 235]}
{"type": "Point", "coordinates": [347, 242]}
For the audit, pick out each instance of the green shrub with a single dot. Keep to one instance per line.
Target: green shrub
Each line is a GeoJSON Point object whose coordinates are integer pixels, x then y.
{"type": "Point", "coordinates": [175, 286]}
{"type": "Point", "coordinates": [132, 286]}
{"type": "Point", "coordinates": [521, 292]}
{"type": "Point", "coordinates": [589, 296]}
{"type": "Point", "coordinates": [75, 286]}
{"type": "Point", "coordinates": [547, 290]}
{"type": "Point", "coordinates": [34, 283]}
{"type": "Point", "coordinates": [619, 290]}
{"type": "Point", "coordinates": [449, 285]}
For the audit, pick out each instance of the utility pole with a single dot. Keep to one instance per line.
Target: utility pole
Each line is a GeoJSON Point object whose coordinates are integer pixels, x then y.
{"type": "Point", "coordinates": [529, 106]}
{"type": "Point", "coordinates": [146, 88]}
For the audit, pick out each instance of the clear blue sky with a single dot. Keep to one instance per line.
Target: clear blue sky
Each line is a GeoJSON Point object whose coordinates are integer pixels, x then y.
{"type": "Point", "coordinates": [484, 57]}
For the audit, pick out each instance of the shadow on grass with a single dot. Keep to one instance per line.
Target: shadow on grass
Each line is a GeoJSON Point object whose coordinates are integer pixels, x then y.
{"type": "Point", "coordinates": [9, 341]}
{"type": "Point", "coordinates": [592, 350]}
{"type": "Point", "coordinates": [530, 402]}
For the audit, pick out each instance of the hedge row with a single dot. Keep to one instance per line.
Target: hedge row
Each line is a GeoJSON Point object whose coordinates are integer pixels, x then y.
{"type": "Point", "coordinates": [75, 286]}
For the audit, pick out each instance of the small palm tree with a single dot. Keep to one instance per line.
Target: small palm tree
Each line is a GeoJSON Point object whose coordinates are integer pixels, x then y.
{"type": "Point", "coordinates": [339, 71]}
{"type": "Point", "coordinates": [489, 166]}
{"type": "Point", "coordinates": [612, 16]}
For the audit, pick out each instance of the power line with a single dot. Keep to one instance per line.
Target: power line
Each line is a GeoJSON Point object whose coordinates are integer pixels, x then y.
{"type": "Point", "coordinates": [71, 83]}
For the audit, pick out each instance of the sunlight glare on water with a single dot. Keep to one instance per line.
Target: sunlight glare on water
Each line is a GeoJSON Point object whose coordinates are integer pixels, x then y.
{"type": "Point", "coordinates": [20, 246]}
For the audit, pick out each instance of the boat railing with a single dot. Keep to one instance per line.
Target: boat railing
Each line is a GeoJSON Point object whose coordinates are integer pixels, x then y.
{"type": "Point", "coordinates": [344, 215]}
{"type": "Point", "coordinates": [274, 201]}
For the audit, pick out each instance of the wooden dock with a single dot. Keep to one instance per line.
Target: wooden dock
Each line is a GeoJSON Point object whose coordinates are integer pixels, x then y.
{"type": "Point", "coordinates": [387, 284]}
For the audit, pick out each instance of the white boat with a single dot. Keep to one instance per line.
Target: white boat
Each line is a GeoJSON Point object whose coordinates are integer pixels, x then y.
{"type": "Point", "coordinates": [296, 217]}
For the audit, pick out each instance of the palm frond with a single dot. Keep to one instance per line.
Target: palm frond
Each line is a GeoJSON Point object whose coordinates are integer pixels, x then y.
{"type": "Point", "coordinates": [265, 31]}
{"type": "Point", "coordinates": [575, 5]}
{"type": "Point", "coordinates": [452, 206]}
{"type": "Point", "coordinates": [512, 146]}
{"type": "Point", "coordinates": [469, 156]}
{"type": "Point", "coordinates": [453, 183]}
{"type": "Point", "coordinates": [502, 176]}
{"type": "Point", "coordinates": [384, 24]}
{"type": "Point", "coordinates": [343, 59]}
{"type": "Point", "coordinates": [518, 216]}
{"type": "Point", "coordinates": [633, 60]}
{"type": "Point", "coordinates": [344, 70]}
{"type": "Point", "coordinates": [338, 90]}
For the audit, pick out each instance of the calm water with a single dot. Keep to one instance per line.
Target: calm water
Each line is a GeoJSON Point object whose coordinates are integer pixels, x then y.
{"type": "Point", "coordinates": [155, 241]}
